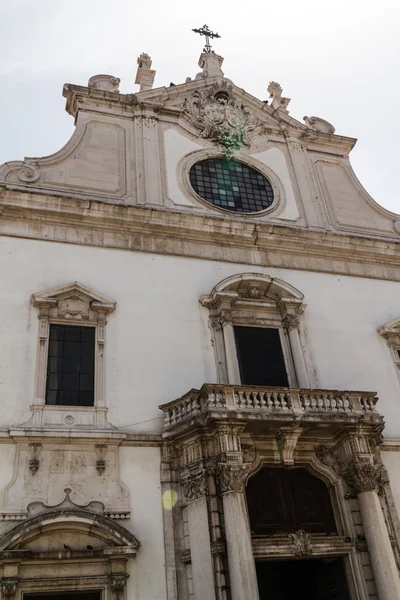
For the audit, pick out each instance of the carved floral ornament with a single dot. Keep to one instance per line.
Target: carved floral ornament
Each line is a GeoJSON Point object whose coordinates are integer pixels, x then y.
{"type": "Point", "coordinates": [195, 486]}
{"type": "Point", "coordinates": [364, 476]}
{"type": "Point", "coordinates": [221, 118]}
{"type": "Point", "coordinates": [232, 477]}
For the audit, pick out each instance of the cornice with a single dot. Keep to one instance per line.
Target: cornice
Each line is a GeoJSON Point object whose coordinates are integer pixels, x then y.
{"type": "Point", "coordinates": [100, 224]}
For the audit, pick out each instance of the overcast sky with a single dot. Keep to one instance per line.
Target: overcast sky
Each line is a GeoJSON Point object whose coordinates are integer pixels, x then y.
{"type": "Point", "coordinates": [338, 60]}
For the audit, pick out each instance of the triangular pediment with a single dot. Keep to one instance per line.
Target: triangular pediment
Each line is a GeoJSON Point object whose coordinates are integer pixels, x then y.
{"type": "Point", "coordinates": [74, 298]}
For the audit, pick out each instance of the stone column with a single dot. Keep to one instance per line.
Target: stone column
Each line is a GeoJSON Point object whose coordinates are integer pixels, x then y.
{"type": "Point", "coordinates": [195, 490]}
{"type": "Point", "coordinates": [292, 323]}
{"type": "Point", "coordinates": [364, 477]}
{"type": "Point", "coordinates": [242, 569]}
{"type": "Point", "coordinates": [232, 363]}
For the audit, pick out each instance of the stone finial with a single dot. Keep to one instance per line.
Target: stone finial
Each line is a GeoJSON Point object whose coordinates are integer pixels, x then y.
{"type": "Point", "coordinates": [106, 83]}
{"type": "Point", "coordinates": [211, 65]}
{"type": "Point", "coordinates": [144, 74]}
{"type": "Point", "coordinates": [275, 92]}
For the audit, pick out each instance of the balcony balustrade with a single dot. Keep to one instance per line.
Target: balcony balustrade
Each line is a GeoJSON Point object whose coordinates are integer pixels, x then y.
{"type": "Point", "coordinates": [271, 403]}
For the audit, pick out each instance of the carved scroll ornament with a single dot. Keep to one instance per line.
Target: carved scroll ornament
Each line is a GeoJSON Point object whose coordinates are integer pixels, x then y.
{"type": "Point", "coordinates": [302, 543]}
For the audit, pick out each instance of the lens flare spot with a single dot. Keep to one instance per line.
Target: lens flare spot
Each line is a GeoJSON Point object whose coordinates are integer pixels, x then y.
{"type": "Point", "coordinates": [169, 499]}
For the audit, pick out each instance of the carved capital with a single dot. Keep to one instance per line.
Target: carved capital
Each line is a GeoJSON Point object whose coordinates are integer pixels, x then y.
{"type": "Point", "coordinates": [363, 476]}
{"type": "Point", "coordinates": [117, 584]}
{"type": "Point", "coordinates": [302, 543]}
{"type": "Point", "coordinates": [8, 589]}
{"type": "Point", "coordinates": [291, 322]}
{"type": "Point", "coordinates": [195, 486]}
{"type": "Point", "coordinates": [287, 440]}
{"type": "Point", "coordinates": [225, 316]}
{"type": "Point", "coordinates": [232, 477]}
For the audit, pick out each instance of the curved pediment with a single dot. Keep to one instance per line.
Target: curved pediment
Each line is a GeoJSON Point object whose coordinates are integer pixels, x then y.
{"type": "Point", "coordinates": [65, 528]}
{"type": "Point", "coordinates": [254, 287]}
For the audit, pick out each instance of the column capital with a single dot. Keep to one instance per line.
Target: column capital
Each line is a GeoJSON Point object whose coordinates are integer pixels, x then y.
{"type": "Point", "coordinates": [363, 476]}
{"type": "Point", "coordinates": [9, 589]}
{"type": "Point", "coordinates": [291, 322]}
{"type": "Point", "coordinates": [232, 477]}
{"type": "Point", "coordinates": [195, 486]}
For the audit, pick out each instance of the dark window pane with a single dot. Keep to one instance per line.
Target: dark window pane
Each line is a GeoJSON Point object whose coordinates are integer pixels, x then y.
{"type": "Point", "coordinates": [70, 398]}
{"type": "Point", "coordinates": [51, 397]}
{"type": "Point", "coordinates": [72, 334]}
{"type": "Point", "coordinates": [217, 180]}
{"type": "Point", "coordinates": [70, 368]}
{"type": "Point", "coordinates": [87, 334]}
{"type": "Point", "coordinates": [260, 356]}
{"type": "Point", "coordinates": [70, 382]}
{"type": "Point", "coordinates": [85, 383]}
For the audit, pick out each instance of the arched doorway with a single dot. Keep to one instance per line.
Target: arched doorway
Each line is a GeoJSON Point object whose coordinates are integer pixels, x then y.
{"type": "Point", "coordinates": [281, 503]}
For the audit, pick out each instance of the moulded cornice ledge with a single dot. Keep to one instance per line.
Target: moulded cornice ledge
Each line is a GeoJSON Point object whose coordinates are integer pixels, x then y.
{"type": "Point", "coordinates": [92, 223]}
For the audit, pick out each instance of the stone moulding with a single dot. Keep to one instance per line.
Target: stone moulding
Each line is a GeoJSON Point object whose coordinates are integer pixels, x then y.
{"type": "Point", "coordinates": [90, 223]}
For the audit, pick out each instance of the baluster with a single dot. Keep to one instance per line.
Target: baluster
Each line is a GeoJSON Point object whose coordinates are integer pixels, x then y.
{"type": "Point", "coordinates": [269, 401]}
{"type": "Point", "coordinates": [263, 403]}
{"type": "Point", "coordinates": [283, 401]}
{"type": "Point", "coordinates": [218, 396]}
{"type": "Point", "coordinates": [173, 416]}
{"type": "Point", "coordinates": [195, 406]}
{"type": "Point", "coordinates": [237, 398]}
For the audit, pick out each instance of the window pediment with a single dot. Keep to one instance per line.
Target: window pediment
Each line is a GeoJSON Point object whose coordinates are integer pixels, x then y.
{"type": "Point", "coordinates": [391, 331]}
{"type": "Point", "coordinates": [255, 290]}
{"type": "Point", "coordinates": [69, 517]}
{"type": "Point", "coordinates": [73, 301]}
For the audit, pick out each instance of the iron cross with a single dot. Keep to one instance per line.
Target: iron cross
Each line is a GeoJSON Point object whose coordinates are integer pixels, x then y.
{"type": "Point", "coordinates": [208, 34]}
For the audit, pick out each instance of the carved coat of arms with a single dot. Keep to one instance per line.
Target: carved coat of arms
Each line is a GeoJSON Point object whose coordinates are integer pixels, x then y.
{"type": "Point", "coordinates": [221, 118]}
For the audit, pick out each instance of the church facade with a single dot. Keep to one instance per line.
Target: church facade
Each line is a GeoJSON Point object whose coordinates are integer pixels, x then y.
{"type": "Point", "coordinates": [200, 358]}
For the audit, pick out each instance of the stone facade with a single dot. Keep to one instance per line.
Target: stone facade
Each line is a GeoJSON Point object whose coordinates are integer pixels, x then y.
{"type": "Point", "coordinates": [143, 494]}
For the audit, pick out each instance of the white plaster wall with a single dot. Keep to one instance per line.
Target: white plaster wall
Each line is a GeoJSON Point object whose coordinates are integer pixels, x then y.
{"type": "Point", "coordinates": [140, 472]}
{"type": "Point", "coordinates": [158, 341]}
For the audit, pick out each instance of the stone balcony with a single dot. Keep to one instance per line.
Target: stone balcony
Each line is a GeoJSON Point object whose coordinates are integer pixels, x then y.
{"type": "Point", "coordinates": [260, 406]}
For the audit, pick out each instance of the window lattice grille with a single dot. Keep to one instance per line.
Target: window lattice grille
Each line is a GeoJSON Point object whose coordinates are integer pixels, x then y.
{"type": "Point", "coordinates": [231, 185]}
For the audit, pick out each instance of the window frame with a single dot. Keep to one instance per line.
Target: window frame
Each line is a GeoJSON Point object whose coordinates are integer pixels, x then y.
{"type": "Point", "coordinates": [71, 305]}
{"type": "Point", "coordinates": [391, 333]}
{"type": "Point", "coordinates": [89, 326]}
{"type": "Point", "coordinates": [252, 300]}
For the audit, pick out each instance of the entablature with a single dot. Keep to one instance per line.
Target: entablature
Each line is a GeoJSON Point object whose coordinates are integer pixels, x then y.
{"type": "Point", "coordinates": [93, 223]}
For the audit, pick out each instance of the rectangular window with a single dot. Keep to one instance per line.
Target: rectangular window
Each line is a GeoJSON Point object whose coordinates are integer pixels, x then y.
{"type": "Point", "coordinates": [260, 356]}
{"type": "Point", "coordinates": [70, 366]}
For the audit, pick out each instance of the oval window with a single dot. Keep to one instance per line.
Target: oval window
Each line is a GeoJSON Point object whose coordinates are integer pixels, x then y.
{"type": "Point", "coordinates": [231, 185]}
